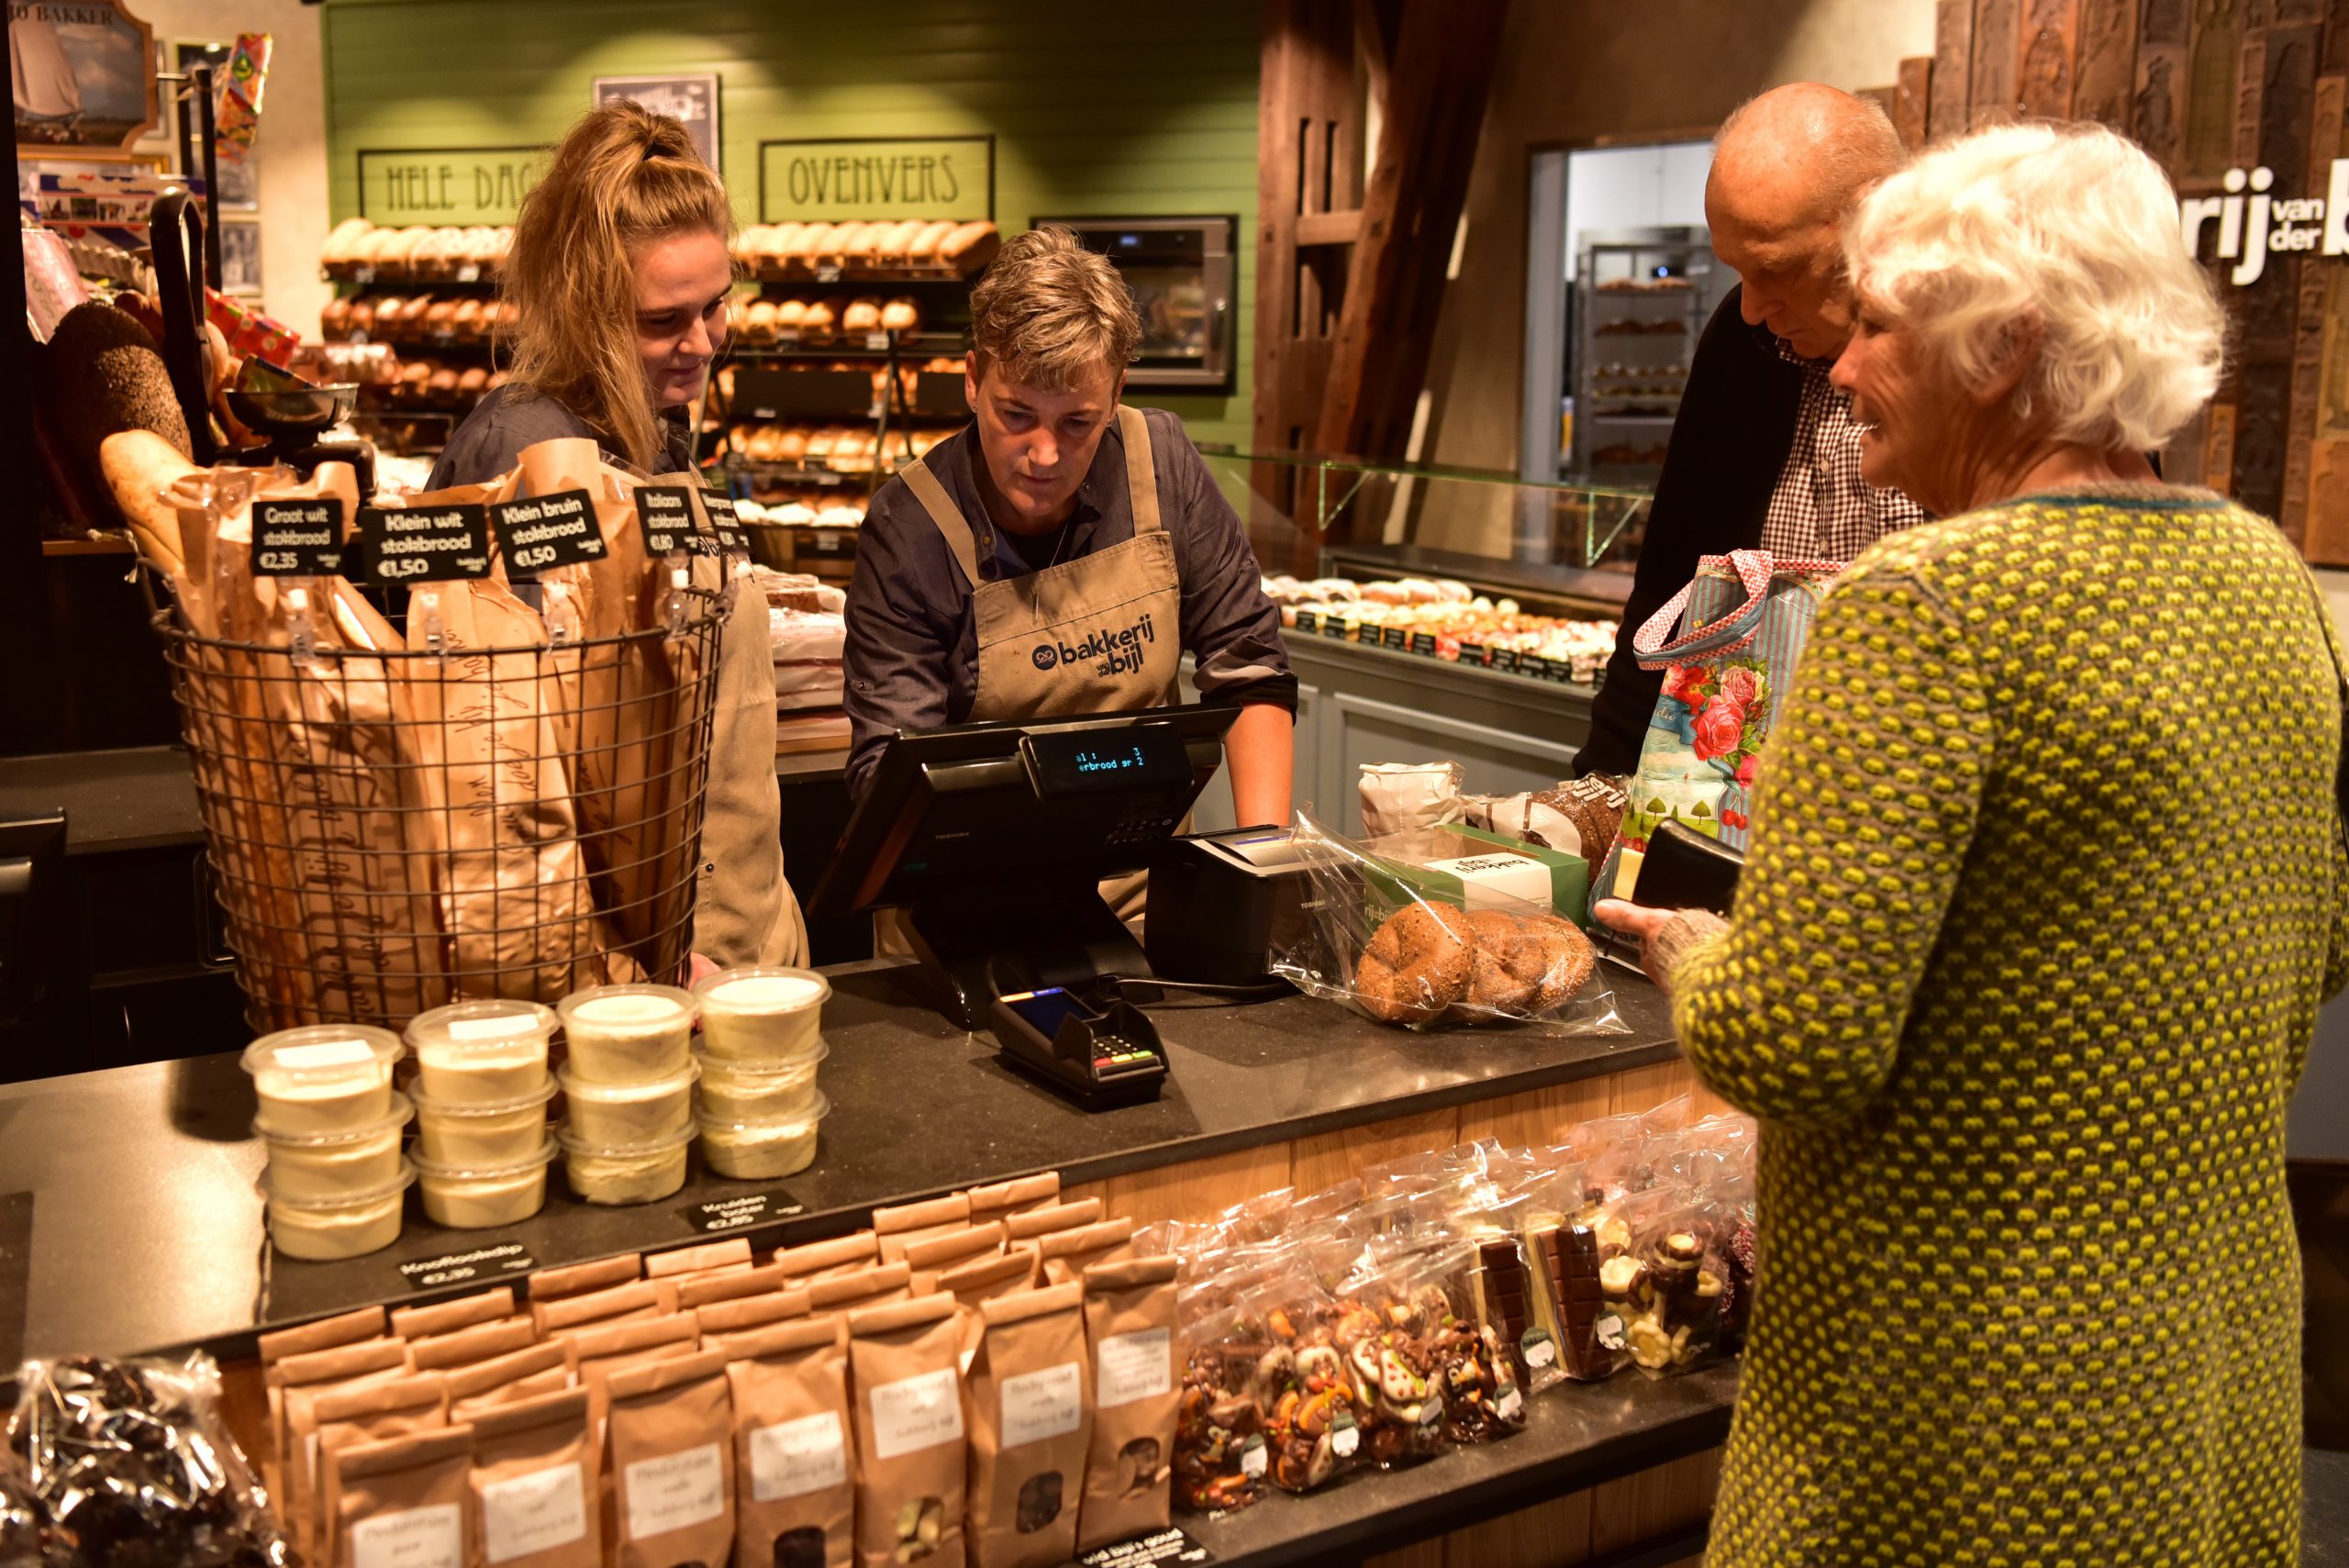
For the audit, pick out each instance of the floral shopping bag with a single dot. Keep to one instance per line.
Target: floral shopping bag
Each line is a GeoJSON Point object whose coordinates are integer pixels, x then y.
{"type": "Point", "coordinates": [1748, 615]}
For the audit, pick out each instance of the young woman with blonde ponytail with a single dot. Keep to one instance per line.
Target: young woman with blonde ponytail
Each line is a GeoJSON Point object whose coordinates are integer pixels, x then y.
{"type": "Point", "coordinates": [620, 275]}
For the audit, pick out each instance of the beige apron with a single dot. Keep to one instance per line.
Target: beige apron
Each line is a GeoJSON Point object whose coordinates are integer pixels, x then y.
{"type": "Point", "coordinates": [1100, 634]}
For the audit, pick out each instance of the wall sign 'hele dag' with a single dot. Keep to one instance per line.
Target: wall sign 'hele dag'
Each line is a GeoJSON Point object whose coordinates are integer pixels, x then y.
{"type": "Point", "coordinates": [444, 186]}
{"type": "Point", "coordinates": [832, 178]}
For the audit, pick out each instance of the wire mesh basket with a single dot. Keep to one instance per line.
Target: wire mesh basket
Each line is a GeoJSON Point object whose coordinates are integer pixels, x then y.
{"type": "Point", "coordinates": [394, 829]}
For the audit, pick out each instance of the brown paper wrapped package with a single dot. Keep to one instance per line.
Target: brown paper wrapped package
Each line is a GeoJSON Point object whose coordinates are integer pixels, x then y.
{"type": "Point", "coordinates": [566, 1312]}
{"type": "Point", "coordinates": [579, 1279]}
{"type": "Point", "coordinates": [602, 1353]}
{"type": "Point", "coordinates": [818, 1260]}
{"type": "Point", "coordinates": [1001, 1200]}
{"type": "Point", "coordinates": [483, 1341]}
{"type": "Point", "coordinates": [941, 1252]}
{"type": "Point", "coordinates": [1030, 1402]}
{"type": "Point", "coordinates": [698, 1260]}
{"type": "Point", "coordinates": [328, 1333]}
{"type": "Point", "coordinates": [1040, 1222]}
{"type": "Point", "coordinates": [864, 1287]}
{"type": "Point", "coordinates": [397, 1407]}
{"type": "Point", "coordinates": [732, 1283]}
{"type": "Point", "coordinates": [975, 1282]}
{"type": "Point", "coordinates": [404, 1500]}
{"type": "Point", "coordinates": [672, 1487]}
{"type": "Point", "coordinates": [911, 1449]}
{"type": "Point", "coordinates": [1066, 1254]}
{"type": "Point", "coordinates": [1130, 1334]}
{"type": "Point", "coordinates": [540, 1369]}
{"type": "Point", "coordinates": [752, 1312]}
{"type": "Point", "coordinates": [900, 1227]}
{"type": "Point", "coordinates": [423, 1322]}
{"type": "Point", "coordinates": [534, 1483]}
{"type": "Point", "coordinates": [309, 1378]}
{"type": "Point", "coordinates": [795, 1488]}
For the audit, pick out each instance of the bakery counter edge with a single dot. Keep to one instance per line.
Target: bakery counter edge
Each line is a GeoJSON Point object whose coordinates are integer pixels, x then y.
{"type": "Point", "coordinates": [146, 1233]}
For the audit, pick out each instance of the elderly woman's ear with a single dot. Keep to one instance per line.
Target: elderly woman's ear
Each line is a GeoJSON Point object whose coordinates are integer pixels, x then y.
{"type": "Point", "coordinates": [2016, 353]}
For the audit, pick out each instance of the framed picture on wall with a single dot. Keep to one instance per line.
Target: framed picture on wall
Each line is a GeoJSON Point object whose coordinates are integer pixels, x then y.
{"type": "Point", "coordinates": [240, 256]}
{"type": "Point", "coordinates": [239, 182]}
{"type": "Point", "coordinates": [84, 78]}
{"type": "Point", "coordinates": [692, 99]}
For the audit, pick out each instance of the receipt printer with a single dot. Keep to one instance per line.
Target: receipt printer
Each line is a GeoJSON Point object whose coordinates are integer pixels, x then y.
{"type": "Point", "coordinates": [1222, 905]}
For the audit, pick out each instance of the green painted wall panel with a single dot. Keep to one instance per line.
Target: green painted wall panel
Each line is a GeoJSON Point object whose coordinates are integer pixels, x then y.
{"type": "Point", "coordinates": [1095, 109]}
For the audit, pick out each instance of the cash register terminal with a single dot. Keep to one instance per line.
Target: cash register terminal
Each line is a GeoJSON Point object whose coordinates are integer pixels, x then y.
{"type": "Point", "coordinates": [992, 840]}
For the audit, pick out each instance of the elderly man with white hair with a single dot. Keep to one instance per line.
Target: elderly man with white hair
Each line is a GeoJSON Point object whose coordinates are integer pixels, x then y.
{"type": "Point", "coordinates": [1764, 452]}
{"type": "Point", "coordinates": [2024, 965]}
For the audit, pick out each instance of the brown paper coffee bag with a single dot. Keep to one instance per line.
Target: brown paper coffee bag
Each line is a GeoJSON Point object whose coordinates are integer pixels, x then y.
{"type": "Point", "coordinates": [941, 1252]}
{"type": "Point", "coordinates": [795, 1502]}
{"type": "Point", "coordinates": [752, 1312]}
{"type": "Point", "coordinates": [974, 1283]}
{"type": "Point", "coordinates": [578, 1279]}
{"type": "Point", "coordinates": [864, 1287]}
{"type": "Point", "coordinates": [673, 1463]}
{"type": "Point", "coordinates": [369, 1413]}
{"type": "Point", "coordinates": [307, 1378]}
{"type": "Point", "coordinates": [534, 1485]}
{"type": "Point", "coordinates": [404, 1504]}
{"type": "Point", "coordinates": [911, 1449]}
{"type": "Point", "coordinates": [483, 1341]}
{"type": "Point", "coordinates": [1001, 1200]}
{"type": "Point", "coordinates": [538, 1369]}
{"type": "Point", "coordinates": [642, 1298]}
{"type": "Point", "coordinates": [327, 1334]}
{"type": "Point", "coordinates": [466, 1312]}
{"type": "Point", "coordinates": [898, 1227]}
{"type": "Point", "coordinates": [698, 1260]}
{"type": "Point", "coordinates": [822, 1259]}
{"type": "Point", "coordinates": [1030, 1415]}
{"type": "Point", "coordinates": [730, 1283]}
{"type": "Point", "coordinates": [607, 1350]}
{"type": "Point", "coordinates": [1037, 1223]}
{"type": "Point", "coordinates": [1129, 1328]}
{"type": "Point", "coordinates": [1066, 1254]}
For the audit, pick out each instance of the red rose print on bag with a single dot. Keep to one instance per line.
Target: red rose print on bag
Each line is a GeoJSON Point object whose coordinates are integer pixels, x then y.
{"type": "Point", "coordinates": [1719, 727]}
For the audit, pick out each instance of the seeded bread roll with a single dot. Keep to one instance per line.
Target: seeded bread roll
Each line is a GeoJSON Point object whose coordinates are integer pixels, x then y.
{"type": "Point", "coordinates": [923, 246]}
{"type": "Point", "coordinates": [1417, 964]}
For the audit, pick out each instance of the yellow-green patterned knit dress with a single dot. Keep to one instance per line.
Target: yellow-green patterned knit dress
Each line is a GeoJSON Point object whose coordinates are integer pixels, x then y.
{"type": "Point", "coordinates": [2047, 885]}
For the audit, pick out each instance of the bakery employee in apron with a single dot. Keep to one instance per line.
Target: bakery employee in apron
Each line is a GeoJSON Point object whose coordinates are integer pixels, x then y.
{"type": "Point", "coordinates": [1058, 555]}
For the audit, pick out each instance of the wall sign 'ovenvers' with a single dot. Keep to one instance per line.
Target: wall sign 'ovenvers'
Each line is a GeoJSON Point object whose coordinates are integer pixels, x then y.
{"type": "Point", "coordinates": [2251, 227]}
{"type": "Point", "coordinates": [832, 178]}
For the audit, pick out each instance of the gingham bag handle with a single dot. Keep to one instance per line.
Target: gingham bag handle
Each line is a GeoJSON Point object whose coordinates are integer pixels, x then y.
{"type": "Point", "coordinates": [1754, 568]}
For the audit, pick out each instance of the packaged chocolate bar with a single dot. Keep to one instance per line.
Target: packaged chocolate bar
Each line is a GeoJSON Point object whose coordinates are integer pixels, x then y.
{"type": "Point", "coordinates": [1385, 1333]}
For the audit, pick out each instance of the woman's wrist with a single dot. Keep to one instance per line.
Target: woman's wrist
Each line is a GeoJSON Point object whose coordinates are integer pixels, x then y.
{"type": "Point", "coordinates": [1669, 947]}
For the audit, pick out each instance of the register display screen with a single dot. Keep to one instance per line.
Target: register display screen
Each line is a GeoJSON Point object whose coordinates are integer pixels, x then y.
{"type": "Point", "coordinates": [1079, 763]}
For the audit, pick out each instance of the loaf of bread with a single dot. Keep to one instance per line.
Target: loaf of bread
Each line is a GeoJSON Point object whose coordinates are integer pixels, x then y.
{"type": "Point", "coordinates": [501, 243]}
{"type": "Point", "coordinates": [791, 446]}
{"type": "Point", "coordinates": [1429, 960]}
{"type": "Point", "coordinates": [440, 315]}
{"type": "Point", "coordinates": [923, 246]}
{"type": "Point", "coordinates": [854, 241]}
{"type": "Point", "coordinates": [751, 243]}
{"type": "Point", "coordinates": [791, 315]}
{"type": "Point", "coordinates": [895, 239]}
{"type": "Point", "coordinates": [759, 323]}
{"type": "Point", "coordinates": [819, 444]}
{"type": "Point", "coordinates": [367, 250]}
{"type": "Point", "coordinates": [443, 384]}
{"type": "Point", "coordinates": [776, 247]}
{"type": "Point", "coordinates": [814, 242]}
{"type": "Point", "coordinates": [334, 320]}
{"type": "Point", "coordinates": [361, 322]}
{"type": "Point", "coordinates": [970, 244]}
{"type": "Point", "coordinates": [901, 316]}
{"type": "Point", "coordinates": [414, 377]}
{"type": "Point", "coordinates": [343, 240]}
{"type": "Point", "coordinates": [760, 441]}
{"type": "Point", "coordinates": [819, 321]}
{"type": "Point", "coordinates": [402, 245]}
{"type": "Point", "coordinates": [861, 316]}
{"type": "Point", "coordinates": [474, 381]}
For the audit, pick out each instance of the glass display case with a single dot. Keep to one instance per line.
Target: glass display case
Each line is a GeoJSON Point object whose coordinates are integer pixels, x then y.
{"type": "Point", "coordinates": [1642, 299]}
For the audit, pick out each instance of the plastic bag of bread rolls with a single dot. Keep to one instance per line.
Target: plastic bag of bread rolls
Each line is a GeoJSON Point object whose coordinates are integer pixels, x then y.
{"type": "Point", "coordinates": [1374, 942]}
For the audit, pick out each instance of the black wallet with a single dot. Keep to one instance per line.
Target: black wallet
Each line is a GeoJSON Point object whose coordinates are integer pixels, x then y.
{"type": "Point", "coordinates": [1686, 870]}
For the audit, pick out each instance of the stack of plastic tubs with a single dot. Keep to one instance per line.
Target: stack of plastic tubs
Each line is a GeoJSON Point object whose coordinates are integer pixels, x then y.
{"type": "Point", "coordinates": [628, 1086]}
{"type": "Point", "coordinates": [481, 1091]}
{"type": "Point", "coordinates": [332, 1121]}
{"type": "Point", "coordinates": [761, 1041]}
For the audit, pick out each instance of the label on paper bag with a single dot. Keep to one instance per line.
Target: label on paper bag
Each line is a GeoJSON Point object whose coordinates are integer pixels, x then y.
{"type": "Point", "coordinates": [413, 1538]}
{"type": "Point", "coordinates": [533, 1513]}
{"type": "Point", "coordinates": [424, 544]}
{"type": "Point", "coordinates": [1128, 1367]}
{"type": "Point", "coordinates": [542, 532]}
{"type": "Point", "coordinates": [1499, 881]}
{"type": "Point", "coordinates": [1042, 1404]}
{"type": "Point", "coordinates": [675, 1491]}
{"type": "Point", "coordinates": [916, 1413]}
{"type": "Point", "coordinates": [794, 1458]}
{"type": "Point", "coordinates": [667, 512]}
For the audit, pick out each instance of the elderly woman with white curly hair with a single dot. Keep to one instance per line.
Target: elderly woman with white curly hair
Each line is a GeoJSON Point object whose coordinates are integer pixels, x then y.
{"type": "Point", "coordinates": [2026, 955]}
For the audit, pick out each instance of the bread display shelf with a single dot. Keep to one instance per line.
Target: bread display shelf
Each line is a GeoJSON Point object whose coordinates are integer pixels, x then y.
{"type": "Point", "coordinates": [866, 345]}
{"type": "Point", "coordinates": [364, 275]}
